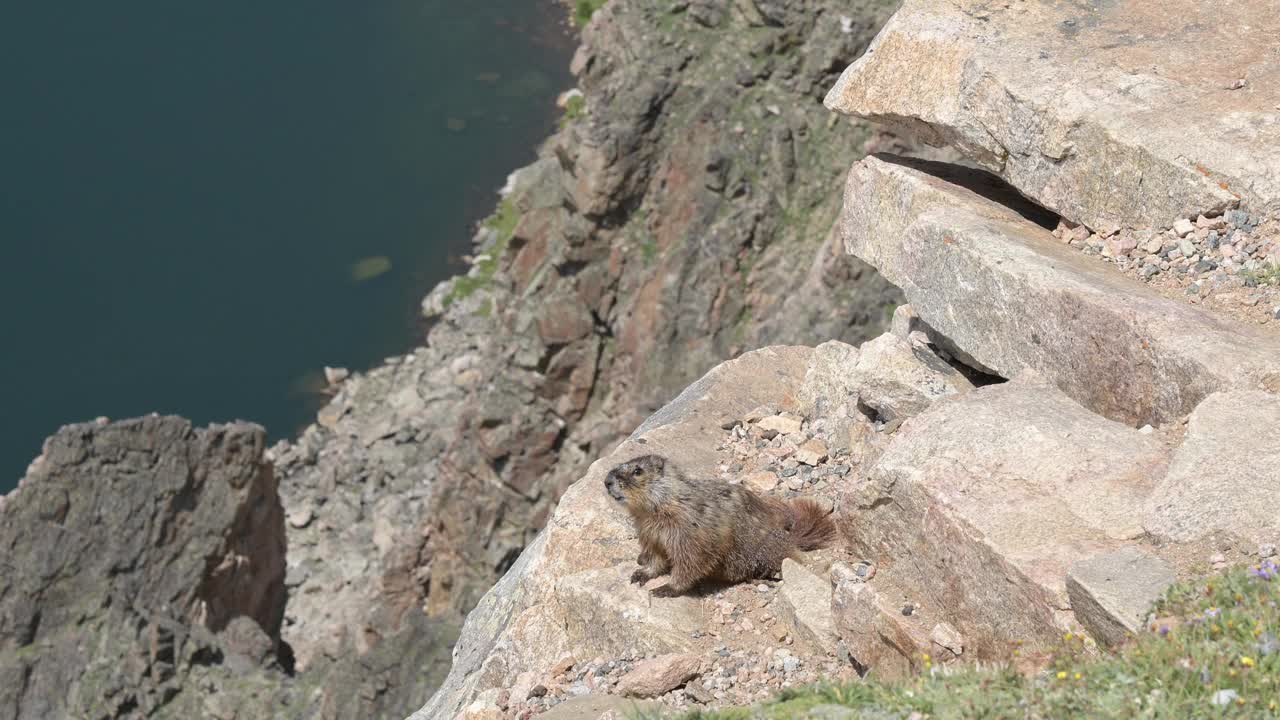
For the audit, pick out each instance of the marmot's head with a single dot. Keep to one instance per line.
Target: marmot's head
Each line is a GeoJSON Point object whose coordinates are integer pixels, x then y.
{"type": "Point", "coordinates": [629, 481]}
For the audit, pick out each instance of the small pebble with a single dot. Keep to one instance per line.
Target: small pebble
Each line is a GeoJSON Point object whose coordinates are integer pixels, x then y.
{"type": "Point", "coordinates": [1223, 698]}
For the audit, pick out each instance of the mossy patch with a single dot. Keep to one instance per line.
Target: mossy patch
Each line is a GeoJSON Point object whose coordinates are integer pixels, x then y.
{"type": "Point", "coordinates": [1265, 276]}
{"type": "Point", "coordinates": [574, 107]}
{"type": "Point", "coordinates": [503, 223]}
{"type": "Point", "coordinates": [583, 10]}
{"type": "Point", "coordinates": [649, 249]}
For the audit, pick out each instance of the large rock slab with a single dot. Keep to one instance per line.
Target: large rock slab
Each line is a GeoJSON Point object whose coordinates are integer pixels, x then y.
{"type": "Point", "coordinates": [881, 641]}
{"type": "Point", "coordinates": [886, 376]}
{"type": "Point", "coordinates": [896, 380]}
{"type": "Point", "coordinates": [1115, 114]}
{"type": "Point", "coordinates": [1007, 293]}
{"type": "Point", "coordinates": [1111, 593]}
{"type": "Point", "coordinates": [1225, 477]}
{"type": "Point", "coordinates": [569, 591]}
{"type": "Point", "coordinates": [806, 604]}
{"type": "Point", "coordinates": [981, 503]}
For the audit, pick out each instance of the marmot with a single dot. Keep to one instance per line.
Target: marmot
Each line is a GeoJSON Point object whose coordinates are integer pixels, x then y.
{"type": "Point", "coordinates": [698, 529]}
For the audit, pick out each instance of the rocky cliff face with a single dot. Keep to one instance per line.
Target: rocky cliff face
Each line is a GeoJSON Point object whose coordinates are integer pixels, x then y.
{"type": "Point", "coordinates": [1041, 444]}
{"type": "Point", "coordinates": [144, 576]}
{"type": "Point", "coordinates": [143, 562]}
{"type": "Point", "coordinates": [683, 215]}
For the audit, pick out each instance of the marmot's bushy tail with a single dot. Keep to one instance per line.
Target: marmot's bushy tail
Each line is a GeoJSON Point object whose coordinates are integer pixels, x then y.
{"type": "Point", "coordinates": [811, 526]}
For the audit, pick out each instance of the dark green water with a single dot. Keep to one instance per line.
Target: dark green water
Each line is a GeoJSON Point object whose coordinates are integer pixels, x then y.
{"type": "Point", "coordinates": [186, 186]}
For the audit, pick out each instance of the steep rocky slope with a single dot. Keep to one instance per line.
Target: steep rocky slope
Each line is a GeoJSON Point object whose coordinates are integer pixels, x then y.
{"type": "Point", "coordinates": [144, 576]}
{"type": "Point", "coordinates": [682, 215]}
{"type": "Point", "coordinates": [143, 562]}
{"type": "Point", "coordinates": [1041, 444]}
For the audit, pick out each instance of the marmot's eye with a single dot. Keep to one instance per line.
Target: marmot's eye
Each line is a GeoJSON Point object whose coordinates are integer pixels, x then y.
{"type": "Point", "coordinates": [637, 472]}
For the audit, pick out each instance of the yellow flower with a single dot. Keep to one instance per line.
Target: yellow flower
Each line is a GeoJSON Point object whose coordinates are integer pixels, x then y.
{"type": "Point", "coordinates": [1232, 672]}
{"type": "Point", "coordinates": [1062, 674]}
{"type": "Point", "coordinates": [1079, 676]}
{"type": "Point", "coordinates": [1246, 661]}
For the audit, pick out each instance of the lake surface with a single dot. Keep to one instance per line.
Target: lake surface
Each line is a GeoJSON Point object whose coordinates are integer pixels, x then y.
{"type": "Point", "coordinates": [187, 191]}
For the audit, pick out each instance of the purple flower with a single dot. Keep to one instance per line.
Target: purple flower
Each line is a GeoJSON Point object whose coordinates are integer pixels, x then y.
{"type": "Point", "coordinates": [1212, 612]}
{"type": "Point", "coordinates": [1266, 570]}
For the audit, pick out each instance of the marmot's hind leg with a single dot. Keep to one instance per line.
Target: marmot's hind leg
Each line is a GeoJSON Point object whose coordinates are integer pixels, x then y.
{"type": "Point", "coordinates": [688, 567]}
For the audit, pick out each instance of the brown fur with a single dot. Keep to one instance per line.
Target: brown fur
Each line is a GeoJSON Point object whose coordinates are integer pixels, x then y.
{"type": "Point", "coordinates": [698, 529]}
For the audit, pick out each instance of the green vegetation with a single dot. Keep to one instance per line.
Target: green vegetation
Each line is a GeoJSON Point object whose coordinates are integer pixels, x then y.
{"type": "Point", "coordinates": [503, 222]}
{"type": "Point", "coordinates": [889, 309]}
{"type": "Point", "coordinates": [574, 108]}
{"type": "Point", "coordinates": [1217, 655]}
{"type": "Point", "coordinates": [584, 9]}
{"type": "Point", "coordinates": [1266, 276]}
{"type": "Point", "coordinates": [649, 249]}
{"type": "Point", "coordinates": [743, 325]}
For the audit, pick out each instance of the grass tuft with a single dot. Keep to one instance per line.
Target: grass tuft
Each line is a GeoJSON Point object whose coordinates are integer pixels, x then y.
{"type": "Point", "coordinates": [503, 222]}
{"type": "Point", "coordinates": [584, 9]}
{"type": "Point", "coordinates": [574, 108]}
{"type": "Point", "coordinates": [1269, 275]}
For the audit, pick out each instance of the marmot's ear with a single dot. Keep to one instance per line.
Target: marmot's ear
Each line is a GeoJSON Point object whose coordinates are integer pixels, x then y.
{"type": "Point", "coordinates": [659, 462]}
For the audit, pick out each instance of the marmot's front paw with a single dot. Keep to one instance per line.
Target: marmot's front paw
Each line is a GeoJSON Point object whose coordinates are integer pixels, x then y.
{"type": "Point", "coordinates": [640, 577]}
{"type": "Point", "coordinates": [666, 591]}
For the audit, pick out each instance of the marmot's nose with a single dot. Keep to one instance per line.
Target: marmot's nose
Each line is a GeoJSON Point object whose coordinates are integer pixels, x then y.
{"type": "Point", "coordinates": [611, 485]}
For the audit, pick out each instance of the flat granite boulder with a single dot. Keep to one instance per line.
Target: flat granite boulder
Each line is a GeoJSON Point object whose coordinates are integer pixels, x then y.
{"type": "Point", "coordinates": [981, 503]}
{"type": "Point", "coordinates": [885, 375]}
{"type": "Point", "coordinates": [978, 266]}
{"type": "Point", "coordinates": [1225, 477]}
{"type": "Point", "coordinates": [569, 591]}
{"type": "Point", "coordinates": [1115, 114]}
{"type": "Point", "coordinates": [806, 601]}
{"type": "Point", "coordinates": [1112, 593]}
